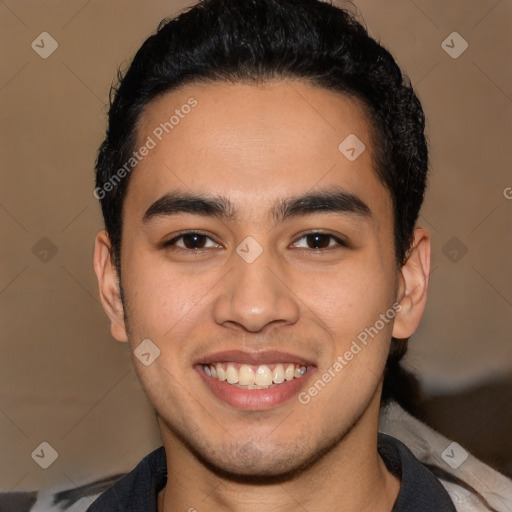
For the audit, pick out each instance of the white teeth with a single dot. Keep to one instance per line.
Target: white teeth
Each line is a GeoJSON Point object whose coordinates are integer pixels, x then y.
{"type": "Point", "coordinates": [253, 387]}
{"type": "Point", "coordinates": [278, 375]}
{"type": "Point", "coordinates": [263, 376]}
{"type": "Point", "coordinates": [221, 374]}
{"type": "Point", "coordinates": [231, 374]}
{"type": "Point", "coordinates": [299, 371]}
{"type": "Point", "coordinates": [246, 375]}
{"type": "Point", "coordinates": [251, 377]}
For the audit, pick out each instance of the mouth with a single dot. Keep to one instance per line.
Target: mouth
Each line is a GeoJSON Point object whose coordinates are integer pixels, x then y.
{"type": "Point", "coordinates": [263, 376]}
{"type": "Point", "coordinates": [254, 381]}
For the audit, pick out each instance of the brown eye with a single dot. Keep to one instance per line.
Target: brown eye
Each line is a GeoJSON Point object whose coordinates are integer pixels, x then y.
{"type": "Point", "coordinates": [190, 241]}
{"type": "Point", "coordinates": [319, 241]}
{"type": "Point", "coordinates": [194, 241]}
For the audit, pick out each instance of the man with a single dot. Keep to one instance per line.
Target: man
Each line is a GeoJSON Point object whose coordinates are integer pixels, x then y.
{"type": "Point", "coordinates": [261, 179]}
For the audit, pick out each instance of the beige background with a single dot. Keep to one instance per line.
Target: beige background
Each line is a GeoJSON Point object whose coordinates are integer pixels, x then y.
{"type": "Point", "coordinates": [63, 379]}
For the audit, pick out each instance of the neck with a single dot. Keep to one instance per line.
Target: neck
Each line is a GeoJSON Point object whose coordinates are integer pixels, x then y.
{"type": "Point", "coordinates": [351, 476]}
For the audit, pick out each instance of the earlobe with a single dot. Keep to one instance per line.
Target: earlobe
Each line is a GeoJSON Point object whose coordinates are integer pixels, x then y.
{"type": "Point", "coordinates": [413, 285]}
{"type": "Point", "coordinates": [108, 284]}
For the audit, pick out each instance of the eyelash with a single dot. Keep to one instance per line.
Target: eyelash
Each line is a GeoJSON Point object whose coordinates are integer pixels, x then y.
{"type": "Point", "coordinates": [171, 244]}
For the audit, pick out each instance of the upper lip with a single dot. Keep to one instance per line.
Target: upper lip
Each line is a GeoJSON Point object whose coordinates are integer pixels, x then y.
{"type": "Point", "coordinates": [254, 358]}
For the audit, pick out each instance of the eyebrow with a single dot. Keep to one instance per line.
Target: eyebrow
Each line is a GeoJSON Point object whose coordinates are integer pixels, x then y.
{"type": "Point", "coordinates": [327, 201]}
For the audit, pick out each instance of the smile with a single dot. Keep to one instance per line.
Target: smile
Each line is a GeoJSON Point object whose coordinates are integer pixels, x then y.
{"type": "Point", "coordinates": [247, 376]}
{"type": "Point", "coordinates": [254, 381]}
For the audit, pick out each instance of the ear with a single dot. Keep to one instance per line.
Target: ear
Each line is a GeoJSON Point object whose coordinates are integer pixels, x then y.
{"type": "Point", "coordinates": [108, 284]}
{"type": "Point", "coordinates": [412, 287]}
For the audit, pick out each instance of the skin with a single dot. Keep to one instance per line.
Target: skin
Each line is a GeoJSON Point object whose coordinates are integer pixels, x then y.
{"type": "Point", "coordinates": [257, 145]}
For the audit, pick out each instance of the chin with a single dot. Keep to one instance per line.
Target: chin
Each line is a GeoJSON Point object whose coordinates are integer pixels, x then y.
{"type": "Point", "coordinates": [253, 463]}
{"type": "Point", "coordinates": [252, 469]}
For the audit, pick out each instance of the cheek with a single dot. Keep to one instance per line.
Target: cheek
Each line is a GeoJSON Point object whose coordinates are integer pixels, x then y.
{"type": "Point", "coordinates": [350, 299]}
{"type": "Point", "coordinates": [161, 299]}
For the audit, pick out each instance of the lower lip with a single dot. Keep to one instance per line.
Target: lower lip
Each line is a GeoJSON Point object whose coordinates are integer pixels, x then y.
{"type": "Point", "coordinates": [254, 399]}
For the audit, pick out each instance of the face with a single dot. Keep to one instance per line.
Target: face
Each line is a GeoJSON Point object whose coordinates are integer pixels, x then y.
{"type": "Point", "coordinates": [255, 254]}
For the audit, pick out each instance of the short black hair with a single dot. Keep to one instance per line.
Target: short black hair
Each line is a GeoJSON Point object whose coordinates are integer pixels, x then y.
{"type": "Point", "coordinates": [244, 41]}
{"type": "Point", "coordinates": [254, 41]}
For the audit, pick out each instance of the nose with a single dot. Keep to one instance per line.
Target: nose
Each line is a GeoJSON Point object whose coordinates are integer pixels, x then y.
{"type": "Point", "coordinates": [255, 296]}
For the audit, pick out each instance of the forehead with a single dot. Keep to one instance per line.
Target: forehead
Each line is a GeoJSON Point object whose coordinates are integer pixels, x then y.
{"type": "Point", "coordinates": [255, 144]}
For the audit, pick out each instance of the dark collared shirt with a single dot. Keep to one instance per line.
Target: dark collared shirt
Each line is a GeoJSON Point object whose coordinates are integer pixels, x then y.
{"type": "Point", "coordinates": [420, 490]}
